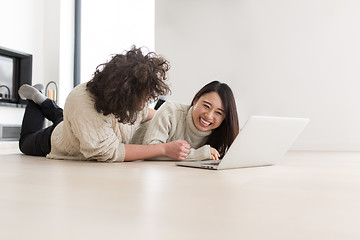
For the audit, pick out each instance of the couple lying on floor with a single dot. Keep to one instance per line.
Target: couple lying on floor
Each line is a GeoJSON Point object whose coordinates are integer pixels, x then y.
{"type": "Point", "coordinates": [107, 119]}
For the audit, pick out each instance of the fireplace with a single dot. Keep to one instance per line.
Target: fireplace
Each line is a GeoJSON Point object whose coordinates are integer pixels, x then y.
{"type": "Point", "coordinates": [15, 70]}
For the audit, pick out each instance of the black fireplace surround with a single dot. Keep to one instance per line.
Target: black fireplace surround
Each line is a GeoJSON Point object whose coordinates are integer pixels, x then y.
{"type": "Point", "coordinates": [15, 70]}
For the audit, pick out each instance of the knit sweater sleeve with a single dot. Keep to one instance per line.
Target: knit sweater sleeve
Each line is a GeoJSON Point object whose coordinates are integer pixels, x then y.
{"type": "Point", "coordinates": [201, 153]}
{"type": "Point", "coordinates": [162, 127]}
{"type": "Point", "coordinates": [168, 121]}
{"type": "Point", "coordinates": [97, 139]}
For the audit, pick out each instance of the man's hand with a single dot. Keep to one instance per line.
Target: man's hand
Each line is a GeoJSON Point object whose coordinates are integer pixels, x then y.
{"type": "Point", "coordinates": [178, 149]}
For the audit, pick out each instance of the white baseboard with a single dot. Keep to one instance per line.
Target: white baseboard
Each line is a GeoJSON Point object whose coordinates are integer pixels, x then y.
{"type": "Point", "coordinates": [9, 147]}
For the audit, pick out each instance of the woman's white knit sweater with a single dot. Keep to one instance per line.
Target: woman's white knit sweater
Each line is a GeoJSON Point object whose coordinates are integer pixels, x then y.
{"type": "Point", "coordinates": [173, 121]}
{"type": "Point", "coordinates": [86, 134]}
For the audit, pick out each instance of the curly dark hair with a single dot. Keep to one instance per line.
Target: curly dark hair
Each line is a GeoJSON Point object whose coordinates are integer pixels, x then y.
{"type": "Point", "coordinates": [123, 85]}
{"type": "Point", "coordinates": [222, 137]}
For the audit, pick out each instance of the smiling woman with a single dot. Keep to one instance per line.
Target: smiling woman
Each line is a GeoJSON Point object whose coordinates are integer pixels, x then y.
{"type": "Point", "coordinates": [208, 112]}
{"type": "Point", "coordinates": [223, 103]}
{"type": "Point", "coordinates": [210, 124]}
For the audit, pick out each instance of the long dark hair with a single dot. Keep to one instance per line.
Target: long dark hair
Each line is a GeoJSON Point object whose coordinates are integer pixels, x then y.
{"type": "Point", "coordinates": [122, 85]}
{"type": "Point", "coordinates": [222, 137]}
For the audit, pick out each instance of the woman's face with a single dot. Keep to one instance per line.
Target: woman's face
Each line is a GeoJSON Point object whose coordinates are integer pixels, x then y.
{"type": "Point", "coordinates": [208, 112]}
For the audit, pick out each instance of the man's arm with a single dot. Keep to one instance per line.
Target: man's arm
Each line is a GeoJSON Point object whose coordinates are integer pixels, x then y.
{"type": "Point", "coordinates": [178, 150]}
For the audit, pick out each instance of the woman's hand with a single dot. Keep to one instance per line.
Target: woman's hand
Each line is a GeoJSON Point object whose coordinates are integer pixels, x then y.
{"type": "Point", "coordinates": [214, 154]}
{"type": "Point", "coordinates": [178, 149]}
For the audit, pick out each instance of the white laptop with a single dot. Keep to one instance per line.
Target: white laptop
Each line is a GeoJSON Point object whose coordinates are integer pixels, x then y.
{"type": "Point", "coordinates": [261, 142]}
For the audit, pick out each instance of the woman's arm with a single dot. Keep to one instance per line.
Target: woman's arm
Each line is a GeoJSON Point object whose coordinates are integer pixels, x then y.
{"type": "Point", "coordinates": [178, 150]}
{"type": "Point", "coordinates": [163, 126]}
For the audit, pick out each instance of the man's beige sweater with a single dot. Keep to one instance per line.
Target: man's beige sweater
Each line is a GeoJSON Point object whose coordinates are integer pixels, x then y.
{"type": "Point", "coordinates": [173, 121]}
{"type": "Point", "coordinates": [86, 134]}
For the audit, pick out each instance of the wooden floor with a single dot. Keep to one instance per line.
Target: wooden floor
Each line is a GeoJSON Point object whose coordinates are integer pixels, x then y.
{"type": "Point", "coordinates": [307, 195]}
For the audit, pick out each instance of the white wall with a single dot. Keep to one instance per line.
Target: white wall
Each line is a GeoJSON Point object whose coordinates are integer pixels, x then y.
{"type": "Point", "coordinates": [295, 58]}
{"type": "Point", "coordinates": [33, 26]}
{"type": "Point", "coordinates": [112, 27]}
{"type": "Point", "coordinates": [66, 49]}
{"type": "Point", "coordinates": [19, 20]}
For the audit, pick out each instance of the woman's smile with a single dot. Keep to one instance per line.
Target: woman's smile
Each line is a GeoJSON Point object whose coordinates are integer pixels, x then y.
{"type": "Point", "coordinates": [204, 122]}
